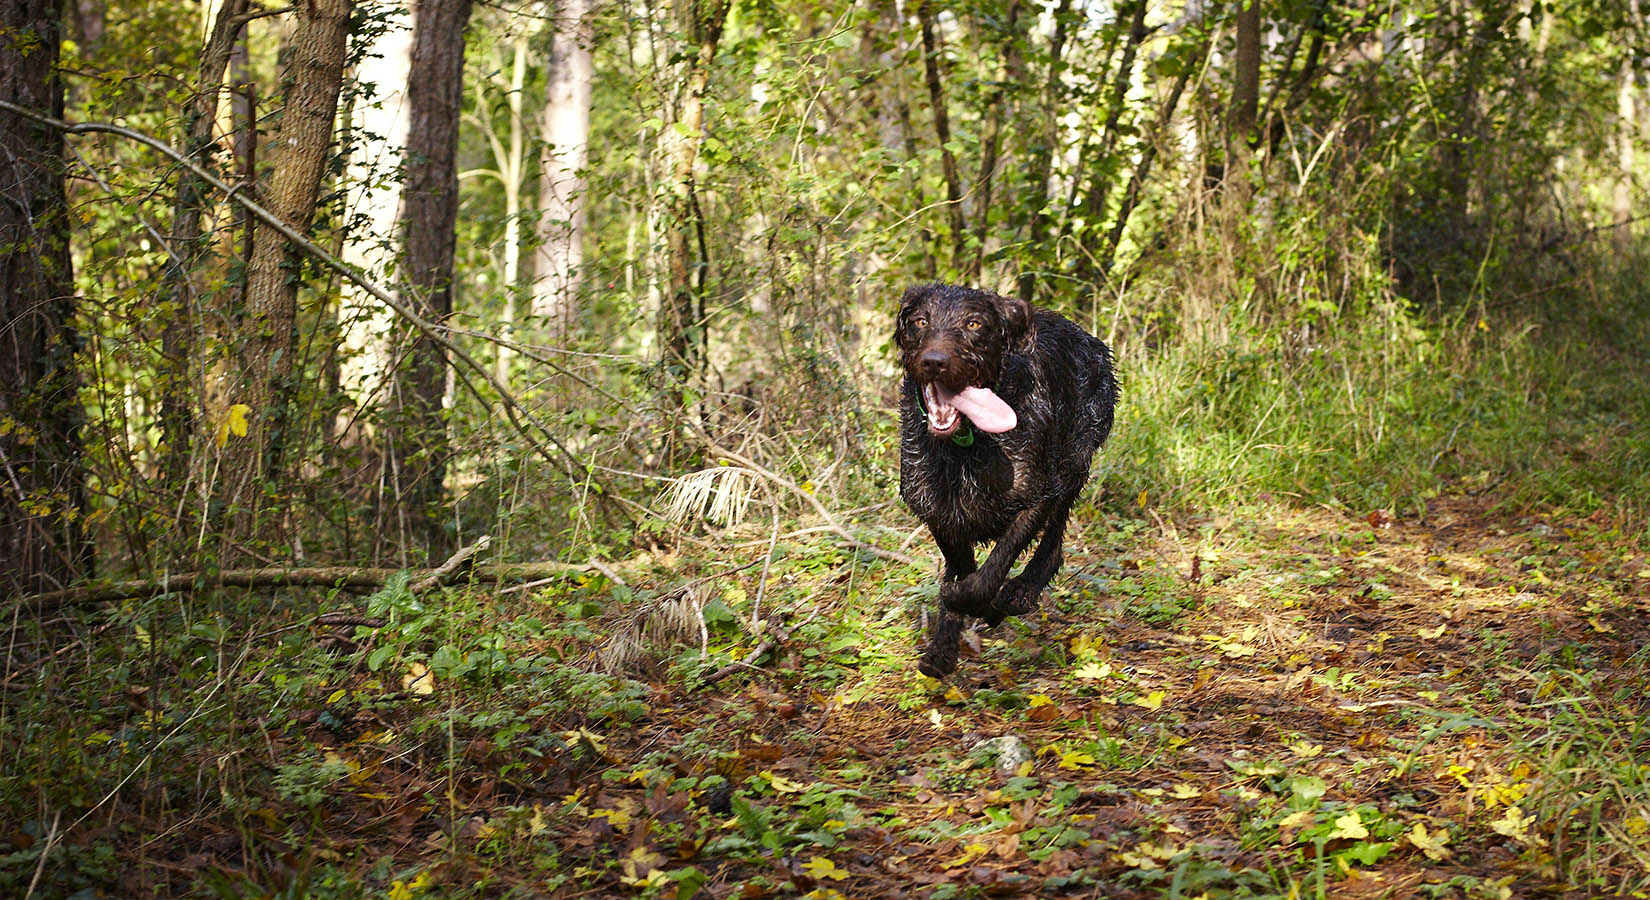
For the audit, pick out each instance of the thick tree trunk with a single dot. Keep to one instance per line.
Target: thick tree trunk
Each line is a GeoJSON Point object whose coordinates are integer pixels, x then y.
{"type": "Point", "coordinates": [379, 143]}
{"type": "Point", "coordinates": [680, 327]}
{"type": "Point", "coordinates": [42, 487]}
{"type": "Point", "coordinates": [435, 92]}
{"type": "Point", "coordinates": [565, 130]}
{"type": "Point", "coordinates": [313, 73]}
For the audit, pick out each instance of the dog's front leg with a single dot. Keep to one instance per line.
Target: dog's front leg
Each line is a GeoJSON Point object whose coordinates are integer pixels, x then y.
{"type": "Point", "coordinates": [939, 658]}
{"type": "Point", "coordinates": [976, 594]}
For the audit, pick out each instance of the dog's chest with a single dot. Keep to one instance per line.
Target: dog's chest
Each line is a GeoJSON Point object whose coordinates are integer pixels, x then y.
{"type": "Point", "coordinates": [971, 492]}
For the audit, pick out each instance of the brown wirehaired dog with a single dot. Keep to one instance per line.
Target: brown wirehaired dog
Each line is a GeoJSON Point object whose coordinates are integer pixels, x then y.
{"type": "Point", "coordinates": [1001, 411]}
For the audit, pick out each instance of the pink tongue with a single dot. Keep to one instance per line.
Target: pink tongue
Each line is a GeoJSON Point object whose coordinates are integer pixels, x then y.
{"type": "Point", "coordinates": [985, 409]}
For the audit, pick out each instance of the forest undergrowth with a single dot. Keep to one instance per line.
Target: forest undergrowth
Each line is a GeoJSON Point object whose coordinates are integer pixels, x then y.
{"type": "Point", "coordinates": [1358, 619]}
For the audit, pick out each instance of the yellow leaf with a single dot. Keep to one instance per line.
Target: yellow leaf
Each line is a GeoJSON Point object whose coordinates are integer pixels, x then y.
{"type": "Point", "coordinates": [1140, 501]}
{"type": "Point", "coordinates": [935, 719]}
{"type": "Point", "coordinates": [1432, 634]}
{"type": "Point", "coordinates": [1305, 749]}
{"type": "Point", "coordinates": [1037, 700]}
{"type": "Point", "coordinates": [783, 785]}
{"type": "Point", "coordinates": [1514, 824]}
{"type": "Point", "coordinates": [1024, 769]}
{"type": "Point", "coordinates": [1184, 791]}
{"type": "Point", "coordinates": [1093, 671]}
{"type": "Point", "coordinates": [820, 867]}
{"type": "Point", "coordinates": [1430, 843]}
{"type": "Point", "coordinates": [418, 680]}
{"type": "Point", "coordinates": [1073, 759]}
{"type": "Point", "coordinates": [618, 818]}
{"type": "Point", "coordinates": [954, 695]}
{"type": "Point", "coordinates": [1349, 826]}
{"type": "Point", "coordinates": [234, 423]}
{"type": "Point", "coordinates": [1302, 819]}
{"type": "Point", "coordinates": [1154, 700]}
{"type": "Point", "coordinates": [970, 853]}
{"type": "Point", "coordinates": [1601, 626]}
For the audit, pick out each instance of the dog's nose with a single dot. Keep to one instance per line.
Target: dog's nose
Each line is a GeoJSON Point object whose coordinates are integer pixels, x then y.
{"type": "Point", "coordinates": [933, 362]}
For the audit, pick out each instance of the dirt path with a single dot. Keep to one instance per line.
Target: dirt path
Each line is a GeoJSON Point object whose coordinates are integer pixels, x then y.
{"type": "Point", "coordinates": [1241, 706]}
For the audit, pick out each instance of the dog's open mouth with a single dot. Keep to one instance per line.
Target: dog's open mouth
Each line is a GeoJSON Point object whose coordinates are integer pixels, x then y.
{"type": "Point", "coordinates": [981, 405]}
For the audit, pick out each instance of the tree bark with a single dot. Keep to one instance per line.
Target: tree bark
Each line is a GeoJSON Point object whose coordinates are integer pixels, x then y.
{"type": "Point", "coordinates": [565, 130]}
{"type": "Point", "coordinates": [1245, 104]}
{"type": "Point", "coordinates": [418, 436]}
{"type": "Point", "coordinates": [1040, 166]}
{"type": "Point", "coordinates": [680, 326]}
{"type": "Point", "coordinates": [375, 178]}
{"type": "Point", "coordinates": [42, 483]}
{"type": "Point", "coordinates": [313, 73]}
{"type": "Point", "coordinates": [997, 109]}
{"type": "Point", "coordinates": [188, 208]}
{"type": "Point", "coordinates": [1094, 206]}
{"type": "Point", "coordinates": [942, 130]}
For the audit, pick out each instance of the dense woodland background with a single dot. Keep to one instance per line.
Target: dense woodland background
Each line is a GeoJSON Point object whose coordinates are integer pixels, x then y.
{"type": "Point", "coordinates": [293, 298]}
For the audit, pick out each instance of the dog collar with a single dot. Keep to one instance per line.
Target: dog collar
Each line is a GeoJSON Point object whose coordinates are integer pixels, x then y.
{"type": "Point", "coordinates": [965, 435]}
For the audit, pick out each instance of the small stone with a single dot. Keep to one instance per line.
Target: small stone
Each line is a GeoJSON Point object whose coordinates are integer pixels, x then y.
{"type": "Point", "coordinates": [1010, 752]}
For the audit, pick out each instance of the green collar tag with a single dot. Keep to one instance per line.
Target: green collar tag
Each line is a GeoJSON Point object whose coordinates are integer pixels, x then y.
{"type": "Point", "coordinates": [965, 437]}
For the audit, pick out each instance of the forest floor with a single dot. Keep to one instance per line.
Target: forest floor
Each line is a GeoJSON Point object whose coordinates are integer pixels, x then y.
{"type": "Point", "coordinates": [1263, 702]}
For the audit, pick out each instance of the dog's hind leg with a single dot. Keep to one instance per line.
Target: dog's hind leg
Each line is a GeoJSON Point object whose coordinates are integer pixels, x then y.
{"type": "Point", "coordinates": [976, 594]}
{"type": "Point", "coordinates": [1020, 593]}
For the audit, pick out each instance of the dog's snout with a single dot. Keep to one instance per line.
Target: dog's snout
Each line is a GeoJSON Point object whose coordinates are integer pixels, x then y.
{"type": "Point", "coordinates": [934, 362]}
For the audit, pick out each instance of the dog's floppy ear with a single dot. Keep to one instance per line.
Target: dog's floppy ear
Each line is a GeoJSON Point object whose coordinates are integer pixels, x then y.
{"type": "Point", "coordinates": [1017, 321]}
{"type": "Point", "coordinates": [913, 295]}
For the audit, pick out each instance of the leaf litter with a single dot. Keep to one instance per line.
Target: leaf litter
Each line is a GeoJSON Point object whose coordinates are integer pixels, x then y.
{"type": "Point", "coordinates": [1301, 703]}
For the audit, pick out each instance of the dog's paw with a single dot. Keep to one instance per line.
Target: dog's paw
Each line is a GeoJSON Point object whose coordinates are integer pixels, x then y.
{"type": "Point", "coordinates": [939, 658]}
{"type": "Point", "coordinates": [1018, 598]}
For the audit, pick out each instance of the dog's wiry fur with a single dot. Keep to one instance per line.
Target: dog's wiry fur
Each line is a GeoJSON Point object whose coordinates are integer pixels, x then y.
{"type": "Point", "coordinates": [1007, 487]}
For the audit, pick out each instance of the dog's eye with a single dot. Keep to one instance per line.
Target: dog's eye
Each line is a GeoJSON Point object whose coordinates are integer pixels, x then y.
{"type": "Point", "coordinates": [919, 322]}
{"type": "Point", "coordinates": [975, 324]}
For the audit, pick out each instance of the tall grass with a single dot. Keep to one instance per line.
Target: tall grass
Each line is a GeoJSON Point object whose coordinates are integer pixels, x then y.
{"type": "Point", "coordinates": [1371, 401]}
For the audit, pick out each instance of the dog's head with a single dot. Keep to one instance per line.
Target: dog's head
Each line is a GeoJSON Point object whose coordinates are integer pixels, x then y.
{"type": "Point", "coordinates": [952, 342]}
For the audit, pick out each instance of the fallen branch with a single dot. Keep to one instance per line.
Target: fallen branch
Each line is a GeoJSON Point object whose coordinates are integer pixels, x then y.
{"type": "Point", "coordinates": [356, 577]}
{"type": "Point", "coordinates": [453, 564]}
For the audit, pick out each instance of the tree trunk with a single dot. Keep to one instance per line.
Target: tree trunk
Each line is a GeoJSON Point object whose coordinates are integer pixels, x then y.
{"type": "Point", "coordinates": [42, 484]}
{"type": "Point", "coordinates": [314, 73]}
{"type": "Point", "coordinates": [680, 327]}
{"type": "Point", "coordinates": [379, 145]}
{"type": "Point", "coordinates": [188, 208]}
{"type": "Point", "coordinates": [997, 109]}
{"type": "Point", "coordinates": [1094, 206]}
{"type": "Point", "coordinates": [942, 130]}
{"type": "Point", "coordinates": [565, 130]}
{"type": "Point", "coordinates": [435, 92]}
{"type": "Point", "coordinates": [1626, 133]}
{"type": "Point", "coordinates": [1241, 114]}
{"type": "Point", "coordinates": [513, 176]}
{"type": "Point", "coordinates": [1040, 166]}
